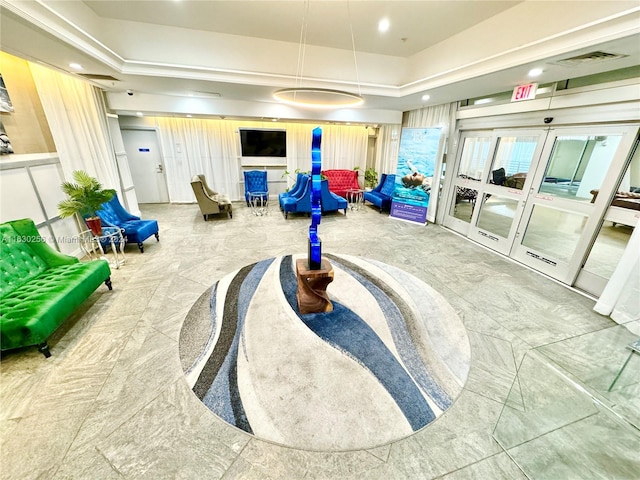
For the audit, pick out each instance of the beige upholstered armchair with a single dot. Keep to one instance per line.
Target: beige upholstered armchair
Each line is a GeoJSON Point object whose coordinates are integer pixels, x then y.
{"type": "Point", "coordinates": [210, 202]}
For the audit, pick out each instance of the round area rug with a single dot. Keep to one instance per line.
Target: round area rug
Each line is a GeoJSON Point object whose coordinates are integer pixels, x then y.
{"type": "Point", "coordinates": [389, 359]}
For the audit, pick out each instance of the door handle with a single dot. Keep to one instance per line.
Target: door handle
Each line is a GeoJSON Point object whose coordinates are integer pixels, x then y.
{"type": "Point", "coordinates": [160, 168]}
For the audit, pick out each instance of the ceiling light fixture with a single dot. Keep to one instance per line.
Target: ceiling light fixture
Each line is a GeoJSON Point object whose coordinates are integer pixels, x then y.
{"type": "Point", "coordinates": [75, 66]}
{"type": "Point", "coordinates": [318, 97]}
{"type": "Point", "coordinates": [535, 72]}
{"type": "Point", "coordinates": [426, 97]}
{"type": "Point", "coordinates": [383, 25]}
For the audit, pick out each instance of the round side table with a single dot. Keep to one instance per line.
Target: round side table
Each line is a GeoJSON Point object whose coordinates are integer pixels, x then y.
{"type": "Point", "coordinates": [355, 198]}
{"type": "Point", "coordinates": [259, 202]}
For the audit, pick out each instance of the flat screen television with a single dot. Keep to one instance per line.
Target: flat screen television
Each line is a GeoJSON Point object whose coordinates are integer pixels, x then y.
{"type": "Point", "coordinates": [263, 143]}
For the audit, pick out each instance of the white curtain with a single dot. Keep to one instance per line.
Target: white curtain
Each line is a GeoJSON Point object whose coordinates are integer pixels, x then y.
{"type": "Point", "coordinates": [77, 117]}
{"type": "Point", "coordinates": [432, 117]}
{"type": "Point", "coordinates": [344, 146]}
{"type": "Point", "coordinates": [387, 145]}
{"type": "Point", "coordinates": [198, 146]}
{"type": "Point", "coordinates": [620, 299]}
{"type": "Point", "coordinates": [298, 149]}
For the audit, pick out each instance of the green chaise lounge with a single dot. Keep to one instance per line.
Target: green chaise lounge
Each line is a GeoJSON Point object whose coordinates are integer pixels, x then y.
{"type": "Point", "coordinates": [39, 287]}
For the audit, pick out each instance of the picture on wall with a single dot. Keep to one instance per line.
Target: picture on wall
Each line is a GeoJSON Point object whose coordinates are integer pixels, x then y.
{"type": "Point", "coordinates": [5, 143]}
{"type": "Point", "coordinates": [5, 101]}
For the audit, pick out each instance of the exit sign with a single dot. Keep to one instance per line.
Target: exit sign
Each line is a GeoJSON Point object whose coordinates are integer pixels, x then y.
{"type": "Point", "coordinates": [524, 92]}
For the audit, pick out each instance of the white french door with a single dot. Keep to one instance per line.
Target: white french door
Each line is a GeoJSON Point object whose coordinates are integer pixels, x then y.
{"type": "Point", "coordinates": [538, 195]}
{"type": "Point", "coordinates": [571, 189]}
{"type": "Point", "coordinates": [491, 184]}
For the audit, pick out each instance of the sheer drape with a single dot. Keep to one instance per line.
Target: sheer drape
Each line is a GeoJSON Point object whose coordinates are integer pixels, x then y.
{"type": "Point", "coordinates": [199, 146]}
{"type": "Point", "coordinates": [620, 299]}
{"type": "Point", "coordinates": [344, 146]}
{"type": "Point", "coordinates": [432, 117]}
{"type": "Point", "coordinates": [77, 117]}
{"type": "Point", "coordinates": [298, 149]}
{"type": "Point", "coordinates": [387, 145]}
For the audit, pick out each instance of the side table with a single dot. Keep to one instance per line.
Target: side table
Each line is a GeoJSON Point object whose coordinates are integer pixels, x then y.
{"type": "Point", "coordinates": [93, 245]}
{"type": "Point", "coordinates": [355, 198]}
{"type": "Point", "coordinates": [259, 202]}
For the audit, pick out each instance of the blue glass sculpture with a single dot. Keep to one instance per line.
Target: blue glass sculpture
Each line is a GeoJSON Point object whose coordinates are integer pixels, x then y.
{"type": "Point", "coordinates": [315, 245]}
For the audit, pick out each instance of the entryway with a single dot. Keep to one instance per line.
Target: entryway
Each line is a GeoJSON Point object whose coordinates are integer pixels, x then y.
{"type": "Point", "coordinates": [540, 196]}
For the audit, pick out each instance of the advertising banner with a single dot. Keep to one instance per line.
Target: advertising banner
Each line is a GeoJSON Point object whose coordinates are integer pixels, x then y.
{"type": "Point", "coordinates": [414, 176]}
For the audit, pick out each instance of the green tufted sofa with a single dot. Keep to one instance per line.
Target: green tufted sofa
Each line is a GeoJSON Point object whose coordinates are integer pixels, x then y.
{"type": "Point", "coordinates": [39, 287]}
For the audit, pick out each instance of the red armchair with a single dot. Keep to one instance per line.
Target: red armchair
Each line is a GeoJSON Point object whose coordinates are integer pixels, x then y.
{"type": "Point", "coordinates": [341, 180]}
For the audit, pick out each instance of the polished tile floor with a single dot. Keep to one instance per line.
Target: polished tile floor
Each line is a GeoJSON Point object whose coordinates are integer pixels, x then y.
{"type": "Point", "coordinates": [112, 402]}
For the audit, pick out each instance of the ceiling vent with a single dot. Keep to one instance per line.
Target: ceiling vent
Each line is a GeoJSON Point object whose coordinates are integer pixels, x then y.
{"type": "Point", "coordinates": [201, 93]}
{"type": "Point", "coordinates": [98, 77]}
{"type": "Point", "coordinates": [591, 57]}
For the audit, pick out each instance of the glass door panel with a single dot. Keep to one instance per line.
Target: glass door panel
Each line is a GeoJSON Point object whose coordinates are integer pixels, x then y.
{"type": "Point", "coordinates": [577, 175]}
{"type": "Point", "coordinates": [497, 214]}
{"type": "Point", "coordinates": [608, 248]}
{"type": "Point", "coordinates": [506, 181]}
{"type": "Point", "coordinates": [622, 215]}
{"type": "Point", "coordinates": [578, 165]}
{"type": "Point", "coordinates": [475, 152]}
{"type": "Point", "coordinates": [513, 160]}
{"type": "Point", "coordinates": [462, 207]}
{"type": "Point", "coordinates": [471, 163]}
{"type": "Point", "coordinates": [554, 233]}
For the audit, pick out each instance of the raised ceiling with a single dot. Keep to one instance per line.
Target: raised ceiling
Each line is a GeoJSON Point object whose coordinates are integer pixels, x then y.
{"type": "Point", "coordinates": [228, 57]}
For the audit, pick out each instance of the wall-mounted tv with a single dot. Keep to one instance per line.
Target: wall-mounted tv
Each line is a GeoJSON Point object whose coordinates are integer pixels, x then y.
{"type": "Point", "coordinates": [263, 143]}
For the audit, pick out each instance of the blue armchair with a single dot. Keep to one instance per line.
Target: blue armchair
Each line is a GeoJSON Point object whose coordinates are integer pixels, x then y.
{"type": "Point", "coordinates": [136, 230]}
{"type": "Point", "coordinates": [299, 199]}
{"type": "Point", "coordinates": [381, 195]}
{"type": "Point", "coordinates": [301, 202]}
{"type": "Point", "coordinates": [293, 191]}
{"type": "Point", "coordinates": [255, 181]}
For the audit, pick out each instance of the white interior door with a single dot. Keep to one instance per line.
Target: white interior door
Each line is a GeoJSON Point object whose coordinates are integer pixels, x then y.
{"type": "Point", "coordinates": [146, 164]}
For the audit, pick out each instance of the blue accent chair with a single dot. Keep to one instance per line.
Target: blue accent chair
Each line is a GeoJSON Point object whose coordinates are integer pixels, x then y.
{"type": "Point", "coordinates": [382, 195]}
{"type": "Point", "coordinates": [301, 202]}
{"type": "Point", "coordinates": [135, 230]}
{"type": "Point", "coordinates": [293, 190]}
{"type": "Point", "coordinates": [330, 201]}
{"type": "Point", "coordinates": [255, 181]}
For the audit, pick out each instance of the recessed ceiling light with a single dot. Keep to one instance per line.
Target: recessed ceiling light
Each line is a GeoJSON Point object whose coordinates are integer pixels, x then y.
{"type": "Point", "coordinates": [189, 116]}
{"type": "Point", "coordinates": [534, 72]}
{"type": "Point", "coordinates": [425, 97]}
{"type": "Point", "coordinates": [75, 66]}
{"type": "Point", "coordinates": [383, 25]}
{"type": "Point", "coordinates": [139, 114]}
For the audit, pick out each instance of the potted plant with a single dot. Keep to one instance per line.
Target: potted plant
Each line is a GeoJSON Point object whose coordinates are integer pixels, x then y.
{"type": "Point", "coordinates": [84, 199]}
{"type": "Point", "coordinates": [370, 178]}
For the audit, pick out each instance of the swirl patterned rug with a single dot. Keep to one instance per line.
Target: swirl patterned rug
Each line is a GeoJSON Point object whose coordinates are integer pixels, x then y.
{"type": "Point", "coordinates": [389, 359]}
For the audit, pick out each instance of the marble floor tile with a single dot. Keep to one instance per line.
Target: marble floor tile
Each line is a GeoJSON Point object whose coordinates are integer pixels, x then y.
{"type": "Point", "coordinates": [497, 467]}
{"type": "Point", "coordinates": [112, 401]}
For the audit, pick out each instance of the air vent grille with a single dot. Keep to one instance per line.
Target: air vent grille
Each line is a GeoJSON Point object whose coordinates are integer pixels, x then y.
{"type": "Point", "coordinates": [97, 76]}
{"type": "Point", "coordinates": [591, 57]}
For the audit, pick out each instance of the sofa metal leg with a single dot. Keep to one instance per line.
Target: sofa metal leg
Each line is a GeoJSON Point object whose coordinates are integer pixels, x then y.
{"type": "Point", "coordinates": [107, 282]}
{"type": "Point", "coordinates": [205, 217]}
{"type": "Point", "coordinates": [141, 247]}
{"type": "Point", "coordinates": [43, 348]}
{"type": "Point", "coordinates": [157, 237]}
